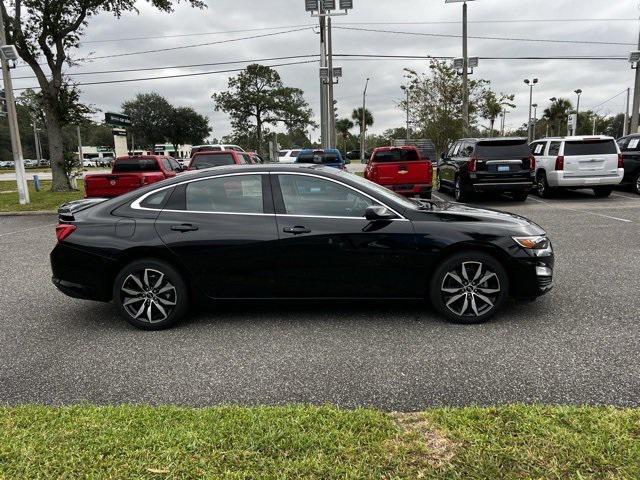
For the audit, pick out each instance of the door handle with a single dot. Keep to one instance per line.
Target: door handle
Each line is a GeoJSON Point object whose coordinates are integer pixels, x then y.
{"type": "Point", "coordinates": [296, 230]}
{"type": "Point", "coordinates": [185, 227]}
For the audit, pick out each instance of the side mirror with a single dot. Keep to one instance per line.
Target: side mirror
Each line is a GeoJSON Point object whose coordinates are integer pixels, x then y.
{"type": "Point", "coordinates": [378, 212]}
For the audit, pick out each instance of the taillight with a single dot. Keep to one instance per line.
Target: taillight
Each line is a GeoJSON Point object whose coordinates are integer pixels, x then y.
{"type": "Point", "coordinates": [64, 230]}
{"type": "Point", "coordinates": [532, 163]}
{"type": "Point", "coordinates": [560, 163]}
{"type": "Point", "coordinates": [473, 164]}
{"type": "Point", "coordinates": [620, 161]}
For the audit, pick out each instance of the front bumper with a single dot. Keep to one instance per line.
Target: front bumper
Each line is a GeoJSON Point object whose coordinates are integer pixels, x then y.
{"type": "Point", "coordinates": [532, 276]}
{"type": "Point", "coordinates": [559, 178]}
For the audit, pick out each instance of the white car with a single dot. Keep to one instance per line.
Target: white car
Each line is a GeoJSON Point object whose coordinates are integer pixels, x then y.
{"type": "Point", "coordinates": [29, 163]}
{"type": "Point", "coordinates": [577, 162]}
{"type": "Point", "coordinates": [288, 156]}
{"type": "Point", "coordinates": [215, 148]}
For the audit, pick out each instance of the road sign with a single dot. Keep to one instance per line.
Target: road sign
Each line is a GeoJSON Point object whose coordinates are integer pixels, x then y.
{"type": "Point", "coordinates": [117, 119]}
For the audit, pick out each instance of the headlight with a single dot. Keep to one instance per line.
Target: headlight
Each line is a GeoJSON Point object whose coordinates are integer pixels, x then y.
{"type": "Point", "coordinates": [538, 246]}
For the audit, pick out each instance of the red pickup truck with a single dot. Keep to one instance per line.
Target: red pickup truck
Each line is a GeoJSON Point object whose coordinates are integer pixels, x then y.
{"type": "Point", "coordinates": [401, 169]}
{"type": "Point", "coordinates": [129, 173]}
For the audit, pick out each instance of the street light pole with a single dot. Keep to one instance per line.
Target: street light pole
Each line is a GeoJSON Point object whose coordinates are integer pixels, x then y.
{"type": "Point", "coordinates": [636, 98]}
{"type": "Point", "coordinates": [408, 133]}
{"type": "Point", "coordinates": [330, 104]}
{"type": "Point", "coordinates": [324, 129]}
{"type": "Point", "coordinates": [575, 126]}
{"type": "Point", "coordinates": [465, 70]}
{"type": "Point", "coordinates": [36, 141]}
{"type": "Point", "coordinates": [530, 84]}
{"type": "Point", "coordinates": [535, 119]}
{"type": "Point", "coordinates": [363, 141]}
{"type": "Point", "coordinates": [12, 116]}
{"type": "Point", "coordinates": [625, 127]}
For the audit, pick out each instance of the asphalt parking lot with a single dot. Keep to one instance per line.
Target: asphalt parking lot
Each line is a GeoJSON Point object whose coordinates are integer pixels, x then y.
{"type": "Point", "coordinates": [579, 344]}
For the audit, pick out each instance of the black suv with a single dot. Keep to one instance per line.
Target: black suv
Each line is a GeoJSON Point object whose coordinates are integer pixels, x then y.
{"type": "Point", "coordinates": [630, 148]}
{"type": "Point", "coordinates": [487, 165]}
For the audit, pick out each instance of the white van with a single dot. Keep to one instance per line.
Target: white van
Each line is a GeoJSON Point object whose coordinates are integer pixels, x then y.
{"type": "Point", "coordinates": [577, 162]}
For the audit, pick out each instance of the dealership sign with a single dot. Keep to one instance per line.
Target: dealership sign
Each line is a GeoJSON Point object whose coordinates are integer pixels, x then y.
{"type": "Point", "coordinates": [117, 119]}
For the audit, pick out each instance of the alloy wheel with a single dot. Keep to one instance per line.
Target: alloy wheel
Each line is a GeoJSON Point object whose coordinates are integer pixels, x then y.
{"type": "Point", "coordinates": [148, 296]}
{"type": "Point", "coordinates": [458, 191]}
{"type": "Point", "coordinates": [540, 185]}
{"type": "Point", "coordinates": [638, 183]}
{"type": "Point", "coordinates": [471, 290]}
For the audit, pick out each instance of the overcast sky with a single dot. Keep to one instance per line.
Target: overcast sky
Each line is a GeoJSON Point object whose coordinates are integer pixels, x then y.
{"type": "Point", "coordinates": [599, 80]}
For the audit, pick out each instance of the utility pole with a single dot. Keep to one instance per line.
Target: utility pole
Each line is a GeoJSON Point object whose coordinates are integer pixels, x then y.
{"type": "Point", "coordinates": [530, 84]}
{"type": "Point", "coordinates": [636, 97]}
{"type": "Point", "coordinates": [363, 140]}
{"type": "Point", "coordinates": [594, 125]}
{"type": "Point", "coordinates": [575, 126]}
{"type": "Point", "coordinates": [465, 71]}
{"type": "Point", "coordinates": [12, 116]}
{"type": "Point", "coordinates": [625, 127]}
{"type": "Point", "coordinates": [324, 128]}
{"type": "Point", "coordinates": [406, 89]}
{"type": "Point", "coordinates": [36, 140]}
{"type": "Point", "coordinates": [330, 102]}
{"type": "Point", "coordinates": [80, 156]}
{"type": "Point", "coordinates": [535, 119]}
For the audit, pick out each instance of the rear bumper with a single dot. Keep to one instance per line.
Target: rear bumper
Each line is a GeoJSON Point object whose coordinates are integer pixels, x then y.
{"type": "Point", "coordinates": [561, 179]}
{"type": "Point", "coordinates": [503, 186]}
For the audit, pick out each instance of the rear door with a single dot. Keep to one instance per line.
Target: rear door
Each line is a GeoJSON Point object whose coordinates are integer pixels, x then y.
{"type": "Point", "coordinates": [590, 158]}
{"type": "Point", "coordinates": [630, 147]}
{"type": "Point", "coordinates": [399, 167]}
{"type": "Point", "coordinates": [223, 230]}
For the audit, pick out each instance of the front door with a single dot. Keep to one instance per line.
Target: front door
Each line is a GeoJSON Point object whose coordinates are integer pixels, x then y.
{"type": "Point", "coordinates": [328, 249]}
{"type": "Point", "coordinates": [224, 231]}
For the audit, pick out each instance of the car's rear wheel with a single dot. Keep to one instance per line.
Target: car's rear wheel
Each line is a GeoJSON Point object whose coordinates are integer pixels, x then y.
{"type": "Point", "coordinates": [458, 192]}
{"type": "Point", "coordinates": [635, 183]}
{"type": "Point", "coordinates": [150, 294]}
{"type": "Point", "coordinates": [602, 192]}
{"type": "Point", "coordinates": [469, 287]}
{"type": "Point", "coordinates": [542, 185]}
{"type": "Point", "coordinates": [439, 181]}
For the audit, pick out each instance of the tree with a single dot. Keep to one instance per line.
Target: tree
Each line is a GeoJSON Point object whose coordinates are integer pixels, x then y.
{"type": "Point", "coordinates": [342, 127]}
{"type": "Point", "coordinates": [187, 126]}
{"type": "Point", "coordinates": [356, 116]}
{"type": "Point", "coordinates": [557, 114]}
{"type": "Point", "coordinates": [49, 30]}
{"type": "Point", "coordinates": [436, 103]}
{"type": "Point", "coordinates": [492, 106]}
{"type": "Point", "coordinates": [150, 115]}
{"type": "Point", "coordinates": [256, 99]}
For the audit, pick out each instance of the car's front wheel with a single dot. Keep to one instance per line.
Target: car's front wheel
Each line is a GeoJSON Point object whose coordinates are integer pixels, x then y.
{"type": "Point", "coordinates": [150, 294]}
{"type": "Point", "coordinates": [469, 287]}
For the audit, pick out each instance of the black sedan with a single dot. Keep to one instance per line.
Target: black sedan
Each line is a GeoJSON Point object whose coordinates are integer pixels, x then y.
{"type": "Point", "coordinates": [292, 232]}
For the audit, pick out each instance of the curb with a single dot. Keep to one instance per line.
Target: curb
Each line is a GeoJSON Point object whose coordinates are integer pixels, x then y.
{"type": "Point", "coordinates": [33, 213]}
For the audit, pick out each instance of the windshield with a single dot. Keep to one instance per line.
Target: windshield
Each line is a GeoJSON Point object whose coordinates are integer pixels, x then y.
{"type": "Point", "coordinates": [318, 158]}
{"type": "Point", "coordinates": [216, 160]}
{"type": "Point", "coordinates": [399, 199]}
{"type": "Point", "coordinates": [590, 147]}
{"type": "Point", "coordinates": [500, 150]}
{"type": "Point", "coordinates": [396, 155]}
{"type": "Point", "coordinates": [136, 165]}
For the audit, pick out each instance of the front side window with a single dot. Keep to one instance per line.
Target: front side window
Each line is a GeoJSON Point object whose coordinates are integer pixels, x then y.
{"type": "Point", "coordinates": [313, 196]}
{"type": "Point", "coordinates": [554, 149]}
{"type": "Point", "coordinates": [212, 160]}
{"type": "Point", "coordinates": [233, 194]}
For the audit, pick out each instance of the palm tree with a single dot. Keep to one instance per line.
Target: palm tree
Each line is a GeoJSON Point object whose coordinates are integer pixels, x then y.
{"type": "Point", "coordinates": [356, 116]}
{"type": "Point", "coordinates": [557, 114]}
{"type": "Point", "coordinates": [493, 105]}
{"type": "Point", "coordinates": [342, 127]}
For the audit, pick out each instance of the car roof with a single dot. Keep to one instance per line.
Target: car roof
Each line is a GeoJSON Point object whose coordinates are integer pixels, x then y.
{"type": "Point", "coordinates": [493, 139]}
{"type": "Point", "coordinates": [578, 138]}
{"type": "Point", "coordinates": [389, 148]}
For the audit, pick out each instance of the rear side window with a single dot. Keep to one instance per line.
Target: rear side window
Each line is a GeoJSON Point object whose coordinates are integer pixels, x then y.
{"type": "Point", "coordinates": [157, 200]}
{"type": "Point", "coordinates": [396, 156]}
{"type": "Point", "coordinates": [318, 158]}
{"type": "Point", "coordinates": [234, 194]}
{"type": "Point", "coordinates": [632, 145]}
{"type": "Point", "coordinates": [554, 149]}
{"type": "Point", "coordinates": [537, 149]}
{"type": "Point", "coordinates": [501, 150]}
{"type": "Point", "coordinates": [136, 165]}
{"type": "Point", "coordinates": [595, 147]}
{"type": "Point", "coordinates": [208, 161]}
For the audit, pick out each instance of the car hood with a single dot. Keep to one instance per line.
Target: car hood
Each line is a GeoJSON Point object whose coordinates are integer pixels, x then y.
{"type": "Point", "coordinates": [482, 217]}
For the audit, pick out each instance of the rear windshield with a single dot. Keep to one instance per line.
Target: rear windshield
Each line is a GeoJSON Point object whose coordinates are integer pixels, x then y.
{"type": "Point", "coordinates": [595, 147]}
{"type": "Point", "coordinates": [319, 158]}
{"type": "Point", "coordinates": [396, 156]}
{"type": "Point", "coordinates": [136, 165]}
{"type": "Point", "coordinates": [208, 161]}
{"type": "Point", "coordinates": [503, 150]}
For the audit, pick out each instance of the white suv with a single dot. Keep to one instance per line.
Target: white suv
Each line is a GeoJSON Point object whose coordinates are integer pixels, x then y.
{"type": "Point", "coordinates": [288, 156]}
{"type": "Point", "coordinates": [577, 162]}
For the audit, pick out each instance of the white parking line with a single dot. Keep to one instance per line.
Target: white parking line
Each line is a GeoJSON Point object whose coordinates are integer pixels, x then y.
{"type": "Point", "coordinates": [581, 211]}
{"type": "Point", "coordinates": [27, 229]}
{"type": "Point", "coordinates": [438, 197]}
{"type": "Point", "coordinates": [628, 197]}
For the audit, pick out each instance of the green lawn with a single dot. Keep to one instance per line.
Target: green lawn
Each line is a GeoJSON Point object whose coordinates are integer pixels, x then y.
{"type": "Point", "coordinates": [302, 442]}
{"type": "Point", "coordinates": [42, 200]}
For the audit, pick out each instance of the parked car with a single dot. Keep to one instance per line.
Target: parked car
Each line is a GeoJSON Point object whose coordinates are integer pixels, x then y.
{"type": "Point", "coordinates": [7, 164]}
{"type": "Point", "coordinates": [329, 157]}
{"type": "Point", "coordinates": [630, 149]}
{"type": "Point", "coordinates": [88, 163]}
{"type": "Point", "coordinates": [288, 156]}
{"type": "Point", "coordinates": [480, 165]}
{"type": "Point", "coordinates": [43, 162]}
{"type": "Point", "coordinates": [202, 160]}
{"type": "Point", "coordinates": [30, 163]}
{"type": "Point", "coordinates": [355, 155]}
{"type": "Point", "coordinates": [105, 161]}
{"type": "Point", "coordinates": [130, 173]}
{"type": "Point", "coordinates": [215, 148]}
{"type": "Point", "coordinates": [401, 169]}
{"type": "Point", "coordinates": [577, 162]}
{"type": "Point", "coordinates": [292, 231]}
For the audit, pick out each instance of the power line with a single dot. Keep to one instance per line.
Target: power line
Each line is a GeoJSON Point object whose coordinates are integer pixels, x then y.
{"type": "Point", "coordinates": [608, 100]}
{"type": "Point", "coordinates": [510, 39]}
{"type": "Point", "coordinates": [183, 75]}
{"type": "Point", "coordinates": [427, 57]}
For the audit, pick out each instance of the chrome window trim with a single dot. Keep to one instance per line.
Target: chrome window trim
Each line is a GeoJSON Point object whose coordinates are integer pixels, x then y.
{"type": "Point", "coordinates": [136, 204]}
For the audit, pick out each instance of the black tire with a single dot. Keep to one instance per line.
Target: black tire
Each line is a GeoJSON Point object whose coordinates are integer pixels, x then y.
{"type": "Point", "coordinates": [520, 196]}
{"type": "Point", "coordinates": [471, 305]}
{"type": "Point", "coordinates": [602, 192]}
{"type": "Point", "coordinates": [459, 193]}
{"type": "Point", "coordinates": [161, 295]}
{"type": "Point", "coordinates": [635, 183]}
{"type": "Point", "coordinates": [440, 186]}
{"type": "Point", "coordinates": [543, 190]}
